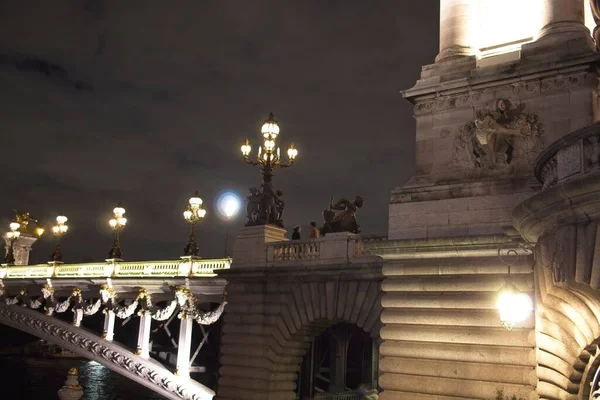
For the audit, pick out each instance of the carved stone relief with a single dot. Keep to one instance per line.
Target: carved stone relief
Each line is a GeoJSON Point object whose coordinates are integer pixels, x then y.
{"type": "Point", "coordinates": [500, 136]}
{"type": "Point", "coordinates": [474, 98]}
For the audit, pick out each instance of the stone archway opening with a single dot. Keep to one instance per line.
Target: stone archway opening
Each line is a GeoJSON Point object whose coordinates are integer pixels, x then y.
{"type": "Point", "coordinates": [340, 361]}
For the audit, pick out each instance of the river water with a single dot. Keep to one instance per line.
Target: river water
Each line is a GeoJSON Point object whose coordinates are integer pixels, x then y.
{"type": "Point", "coordinates": [40, 379]}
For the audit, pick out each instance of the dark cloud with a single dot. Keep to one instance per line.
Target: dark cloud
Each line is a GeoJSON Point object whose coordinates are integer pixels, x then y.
{"type": "Point", "coordinates": [145, 102]}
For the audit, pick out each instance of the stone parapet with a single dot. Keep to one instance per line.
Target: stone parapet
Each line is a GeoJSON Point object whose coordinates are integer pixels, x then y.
{"type": "Point", "coordinates": [570, 174]}
{"type": "Point", "coordinates": [334, 248]}
{"type": "Point", "coordinates": [571, 157]}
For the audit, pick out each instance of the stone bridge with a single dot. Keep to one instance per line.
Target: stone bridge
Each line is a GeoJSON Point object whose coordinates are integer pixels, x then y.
{"type": "Point", "coordinates": [53, 302]}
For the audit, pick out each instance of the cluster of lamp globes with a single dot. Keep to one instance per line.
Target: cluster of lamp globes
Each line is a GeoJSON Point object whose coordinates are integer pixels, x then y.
{"type": "Point", "coordinates": [58, 230]}
{"type": "Point", "coordinates": [266, 152]}
{"type": "Point", "coordinates": [118, 221]}
{"type": "Point", "coordinates": [229, 206]}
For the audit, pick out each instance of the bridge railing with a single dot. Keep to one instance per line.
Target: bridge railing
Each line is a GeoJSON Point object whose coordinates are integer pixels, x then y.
{"type": "Point", "coordinates": [117, 269]}
{"type": "Point", "coordinates": [332, 248]}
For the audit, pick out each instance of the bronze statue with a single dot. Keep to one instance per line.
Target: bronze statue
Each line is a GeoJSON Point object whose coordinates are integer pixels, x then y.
{"type": "Point", "coordinates": [265, 207]}
{"type": "Point", "coordinates": [344, 221]}
{"type": "Point", "coordinates": [252, 205]}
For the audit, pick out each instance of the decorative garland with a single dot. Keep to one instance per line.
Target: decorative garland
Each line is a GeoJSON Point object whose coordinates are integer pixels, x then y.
{"type": "Point", "coordinates": [184, 299]}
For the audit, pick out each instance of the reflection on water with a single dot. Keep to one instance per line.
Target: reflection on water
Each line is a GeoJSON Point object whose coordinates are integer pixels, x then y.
{"type": "Point", "coordinates": [37, 378]}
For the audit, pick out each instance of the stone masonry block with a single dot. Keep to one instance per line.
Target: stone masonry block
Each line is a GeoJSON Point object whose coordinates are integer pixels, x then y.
{"type": "Point", "coordinates": [432, 219]}
{"type": "Point", "coordinates": [472, 217]}
{"type": "Point", "coordinates": [455, 116]}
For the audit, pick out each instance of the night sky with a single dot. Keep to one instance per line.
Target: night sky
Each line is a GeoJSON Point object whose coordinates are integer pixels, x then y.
{"type": "Point", "coordinates": [145, 102]}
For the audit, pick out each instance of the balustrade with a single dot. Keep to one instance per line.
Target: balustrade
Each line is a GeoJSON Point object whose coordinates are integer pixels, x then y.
{"type": "Point", "coordinates": [295, 250]}
{"type": "Point", "coordinates": [573, 156]}
{"type": "Point", "coordinates": [333, 248]}
{"type": "Point", "coordinates": [183, 268]}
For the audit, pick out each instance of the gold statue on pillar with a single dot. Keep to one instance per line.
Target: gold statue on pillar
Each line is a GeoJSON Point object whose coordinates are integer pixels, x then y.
{"type": "Point", "coordinates": [23, 218]}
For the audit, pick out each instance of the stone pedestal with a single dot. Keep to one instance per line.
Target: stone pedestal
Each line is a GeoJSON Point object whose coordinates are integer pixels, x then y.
{"type": "Point", "coordinates": [71, 390]}
{"type": "Point", "coordinates": [21, 248]}
{"type": "Point", "coordinates": [249, 249]}
{"type": "Point", "coordinates": [336, 247]}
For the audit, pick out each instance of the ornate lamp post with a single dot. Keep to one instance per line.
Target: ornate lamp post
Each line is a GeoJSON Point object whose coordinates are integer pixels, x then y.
{"type": "Point", "coordinates": [192, 215]}
{"type": "Point", "coordinates": [59, 230]}
{"type": "Point", "coordinates": [117, 222]}
{"type": "Point", "coordinates": [12, 236]}
{"type": "Point", "coordinates": [265, 206]}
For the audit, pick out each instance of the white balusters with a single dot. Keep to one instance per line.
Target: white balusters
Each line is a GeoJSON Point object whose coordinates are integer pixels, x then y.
{"type": "Point", "coordinates": [115, 269]}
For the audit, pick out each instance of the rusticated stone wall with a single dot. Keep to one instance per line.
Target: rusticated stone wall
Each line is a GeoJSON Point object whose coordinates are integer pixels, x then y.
{"type": "Point", "coordinates": [274, 312]}
{"type": "Point", "coordinates": [442, 336]}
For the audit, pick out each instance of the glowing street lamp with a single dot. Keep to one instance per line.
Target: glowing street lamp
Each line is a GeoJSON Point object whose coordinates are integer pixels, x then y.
{"type": "Point", "coordinates": [268, 157]}
{"type": "Point", "coordinates": [12, 236]}
{"type": "Point", "coordinates": [59, 230]}
{"type": "Point", "coordinates": [513, 305]}
{"type": "Point", "coordinates": [193, 215]}
{"type": "Point", "coordinates": [117, 223]}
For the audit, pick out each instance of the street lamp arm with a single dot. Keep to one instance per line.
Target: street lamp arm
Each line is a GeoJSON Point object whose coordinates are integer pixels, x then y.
{"type": "Point", "coordinates": [252, 162]}
{"type": "Point", "coordinates": [285, 164]}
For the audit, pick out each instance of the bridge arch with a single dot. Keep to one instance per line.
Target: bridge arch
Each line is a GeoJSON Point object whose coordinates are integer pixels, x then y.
{"type": "Point", "coordinates": [87, 344]}
{"type": "Point", "coordinates": [268, 327]}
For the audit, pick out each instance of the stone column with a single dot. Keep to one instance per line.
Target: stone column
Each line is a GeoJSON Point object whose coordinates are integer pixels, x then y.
{"type": "Point", "coordinates": [562, 16]}
{"type": "Point", "coordinates": [184, 347]}
{"type": "Point", "coordinates": [109, 325]}
{"type": "Point", "coordinates": [143, 343]}
{"type": "Point", "coordinates": [457, 28]}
